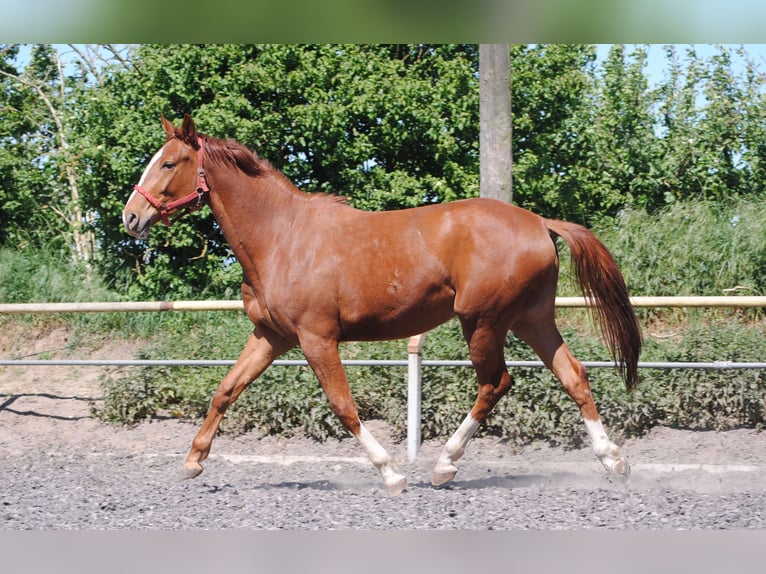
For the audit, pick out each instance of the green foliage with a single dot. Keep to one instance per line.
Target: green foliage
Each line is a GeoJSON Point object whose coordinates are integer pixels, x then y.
{"type": "Point", "coordinates": [389, 126]}
{"type": "Point", "coordinates": [716, 399]}
{"type": "Point", "coordinates": [26, 201]}
{"type": "Point", "coordinates": [128, 401]}
{"type": "Point", "coordinates": [590, 142]}
{"type": "Point", "coordinates": [550, 90]}
{"type": "Point", "coordinates": [621, 164]}
{"type": "Point", "coordinates": [40, 202]}
{"type": "Point", "coordinates": [692, 248]}
{"type": "Point", "coordinates": [288, 400]}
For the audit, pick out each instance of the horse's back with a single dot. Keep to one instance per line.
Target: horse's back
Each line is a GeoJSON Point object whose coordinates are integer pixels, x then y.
{"type": "Point", "coordinates": [416, 268]}
{"type": "Point", "coordinates": [463, 226]}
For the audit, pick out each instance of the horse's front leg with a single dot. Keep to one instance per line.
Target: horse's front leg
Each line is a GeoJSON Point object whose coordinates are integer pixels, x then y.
{"type": "Point", "coordinates": [324, 359]}
{"type": "Point", "coordinates": [259, 352]}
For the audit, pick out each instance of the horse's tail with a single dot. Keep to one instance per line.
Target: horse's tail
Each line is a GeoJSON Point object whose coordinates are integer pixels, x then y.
{"type": "Point", "coordinates": [600, 281]}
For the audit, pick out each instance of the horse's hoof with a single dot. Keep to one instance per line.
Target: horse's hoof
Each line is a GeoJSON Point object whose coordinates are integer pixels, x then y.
{"type": "Point", "coordinates": [620, 468]}
{"type": "Point", "coordinates": [443, 474]}
{"type": "Point", "coordinates": [396, 484]}
{"type": "Point", "coordinates": [189, 470]}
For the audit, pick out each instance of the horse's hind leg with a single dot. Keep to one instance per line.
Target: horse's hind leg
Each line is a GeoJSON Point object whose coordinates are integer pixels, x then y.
{"type": "Point", "coordinates": [259, 352]}
{"type": "Point", "coordinates": [545, 339]}
{"type": "Point", "coordinates": [324, 359]}
{"type": "Point", "coordinates": [485, 345]}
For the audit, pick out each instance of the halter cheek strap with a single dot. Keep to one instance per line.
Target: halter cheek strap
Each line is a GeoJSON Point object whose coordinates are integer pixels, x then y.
{"type": "Point", "coordinates": [188, 203]}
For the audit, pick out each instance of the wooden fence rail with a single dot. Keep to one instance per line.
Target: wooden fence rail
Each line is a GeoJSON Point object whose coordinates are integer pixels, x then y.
{"type": "Point", "coordinates": [732, 301]}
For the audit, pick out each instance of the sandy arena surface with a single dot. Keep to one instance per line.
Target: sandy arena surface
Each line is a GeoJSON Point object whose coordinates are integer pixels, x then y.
{"type": "Point", "coordinates": [63, 469]}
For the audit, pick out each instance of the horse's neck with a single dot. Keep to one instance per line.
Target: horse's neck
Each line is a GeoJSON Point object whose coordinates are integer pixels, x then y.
{"type": "Point", "coordinates": [253, 214]}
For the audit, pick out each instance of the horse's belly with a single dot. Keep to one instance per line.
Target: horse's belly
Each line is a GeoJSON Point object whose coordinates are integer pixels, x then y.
{"type": "Point", "coordinates": [396, 317]}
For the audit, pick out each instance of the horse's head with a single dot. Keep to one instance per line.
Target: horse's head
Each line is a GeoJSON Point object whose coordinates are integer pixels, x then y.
{"type": "Point", "coordinates": [173, 182]}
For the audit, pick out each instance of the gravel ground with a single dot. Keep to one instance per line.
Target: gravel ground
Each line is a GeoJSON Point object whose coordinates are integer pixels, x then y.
{"type": "Point", "coordinates": [62, 469]}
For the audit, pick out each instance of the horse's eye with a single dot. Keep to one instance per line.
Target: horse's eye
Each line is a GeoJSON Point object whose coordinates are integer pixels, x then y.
{"type": "Point", "coordinates": [168, 165]}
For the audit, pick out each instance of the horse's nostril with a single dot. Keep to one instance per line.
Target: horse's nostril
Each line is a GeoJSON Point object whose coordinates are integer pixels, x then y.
{"type": "Point", "coordinates": [130, 219]}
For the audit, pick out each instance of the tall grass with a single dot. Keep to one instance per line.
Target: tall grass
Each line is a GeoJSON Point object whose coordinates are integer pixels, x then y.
{"type": "Point", "coordinates": [31, 275]}
{"type": "Point", "coordinates": [695, 248]}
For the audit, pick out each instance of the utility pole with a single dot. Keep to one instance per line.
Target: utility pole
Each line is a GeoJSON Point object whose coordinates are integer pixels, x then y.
{"type": "Point", "coordinates": [495, 156]}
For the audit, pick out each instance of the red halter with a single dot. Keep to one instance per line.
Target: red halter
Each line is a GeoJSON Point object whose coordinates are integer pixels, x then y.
{"type": "Point", "coordinates": [187, 203]}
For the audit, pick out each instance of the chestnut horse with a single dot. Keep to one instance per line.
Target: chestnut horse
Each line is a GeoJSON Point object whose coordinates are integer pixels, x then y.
{"type": "Point", "coordinates": [317, 272]}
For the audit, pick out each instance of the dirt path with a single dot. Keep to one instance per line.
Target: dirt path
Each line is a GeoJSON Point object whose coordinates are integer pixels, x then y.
{"type": "Point", "coordinates": [50, 446]}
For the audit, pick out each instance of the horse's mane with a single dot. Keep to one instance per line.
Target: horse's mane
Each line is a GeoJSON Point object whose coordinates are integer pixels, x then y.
{"type": "Point", "coordinates": [234, 154]}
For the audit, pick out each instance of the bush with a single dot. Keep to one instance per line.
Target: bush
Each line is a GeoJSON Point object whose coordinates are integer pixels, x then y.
{"type": "Point", "coordinates": [289, 400]}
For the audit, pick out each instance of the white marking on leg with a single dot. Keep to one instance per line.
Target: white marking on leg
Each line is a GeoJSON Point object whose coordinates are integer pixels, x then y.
{"type": "Point", "coordinates": [445, 469]}
{"type": "Point", "coordinates": [455, 446]}
{"type": "Point", "coordinates": [377, 454]}
{"type": "Point", "coordinates": [598, 437]}
{"type": "Point", "coordinates": [380, 458]}
{"type": "Point", "coordinates": [606, 451]}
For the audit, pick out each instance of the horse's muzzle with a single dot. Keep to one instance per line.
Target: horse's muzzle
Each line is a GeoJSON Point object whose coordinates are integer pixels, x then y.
{"type": "Point", "coordinates": [136, 225]}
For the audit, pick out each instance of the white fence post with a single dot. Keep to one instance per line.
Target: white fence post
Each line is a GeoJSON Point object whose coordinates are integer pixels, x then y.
{"type": "Point", "coordinates": [414, 377]}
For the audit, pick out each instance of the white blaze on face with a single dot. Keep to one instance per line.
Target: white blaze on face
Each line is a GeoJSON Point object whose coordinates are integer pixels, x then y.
{"type": "Point", "coordinates": [154, 160]}
{"type": "Point", "coordinates": [141, 181]}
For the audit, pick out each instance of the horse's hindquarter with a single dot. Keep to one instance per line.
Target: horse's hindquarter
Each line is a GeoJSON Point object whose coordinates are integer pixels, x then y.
{"type": "Point", "coordinates": [506, 259]}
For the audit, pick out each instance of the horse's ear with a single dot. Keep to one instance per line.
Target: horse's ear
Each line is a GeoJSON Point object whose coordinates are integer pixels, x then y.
{"type": "Point", "coordinates": [189, 130]}
{"type": "Point", "coordinates": [170, 131]}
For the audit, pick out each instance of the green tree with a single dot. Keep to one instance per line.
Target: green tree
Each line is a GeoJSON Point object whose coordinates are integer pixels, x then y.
{"type": "Point", "coordinates": [712, 124]}
{"type": "Point", "coordinates": [719, 138]}
{"type": "Point", "coordinates": [753, 160]}
{"type": "Point", "coordinates": [387, 126]}
{"type": "Point", "coordinates": [551, 89]}
{"type": "Point", "coordinates": [678, 122]}
{"type": "Point", "coordinates": [38, 161]}
{"type": "Point", "coordinates": [23, 194]}
{"type": "Point", "coordinates": [14, 207]}
{"type": "Point", "coordinates": [622, 145]}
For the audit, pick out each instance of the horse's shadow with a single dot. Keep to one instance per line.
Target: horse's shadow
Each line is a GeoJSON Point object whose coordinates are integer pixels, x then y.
{"type": "Point", "coordinates": [5, 406]}
{"type": "Point", "coordinates": [505, 482]}
{"type": "Point", "coordinates": [498, 481]}
{"type": "Point", "coordinates": [321, 485]}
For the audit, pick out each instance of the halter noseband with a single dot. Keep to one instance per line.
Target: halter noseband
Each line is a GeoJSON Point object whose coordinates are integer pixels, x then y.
{"type": "Point", "coordinates": [187, 203]}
